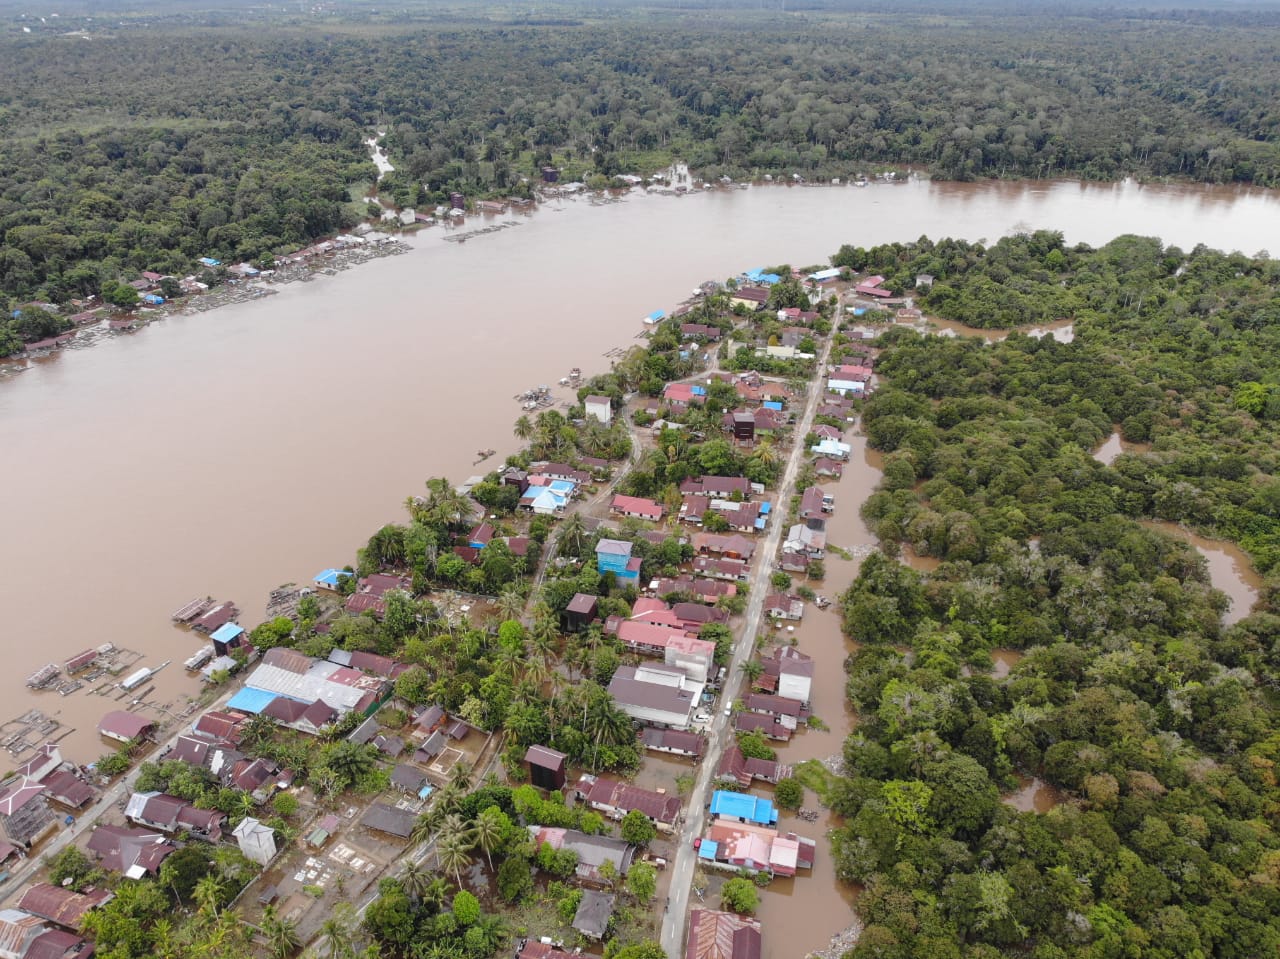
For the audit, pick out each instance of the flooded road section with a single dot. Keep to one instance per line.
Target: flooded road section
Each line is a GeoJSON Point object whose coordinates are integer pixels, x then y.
{"type": "Point", "coordinates": [1114, 445]}
{"type": "Point", "coordinates": [230, 452]}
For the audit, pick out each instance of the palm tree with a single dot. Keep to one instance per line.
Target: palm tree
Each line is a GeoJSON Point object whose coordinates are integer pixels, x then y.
{"type": "Point", "coordinates": [336, 932]}
{"type": "Point", "coordinates": [436, 894]}
{"type": "Point", "coordinates": [752, 669]}
{"type": "Point", "coordinates": [572, 533]}
{"type": "Point", "coordinates": [523, 428]}
{"type": "Point", "coordinates": [257, 731]}
{"type": "Point", "coordinates": [511, 603]}
{"type": "Point", "coordinates": [494, 930]}
{"type": "Point", "coordinates": [453, 853]}
{"type": "Point", "coordinates": [245, 805]}
{"type": "Point", "coordinates": [487, 832]}
{"type": "Point", "coordinates": [207, 893]}
{"type": "Point", "coordinates": [460, 774]}
{"type": "Point", "coordinates": [415, 877]}
{"type": "Point", "coordinates": [765, 452]}
{"type": "Point", "coordinates": [537, 672]}
{"type": "Point", "coordinates": [427, 824]}
{"type": "Point", "coordinates": [281, 934]}
{"type": "Point", "coordinates": [545, 633]}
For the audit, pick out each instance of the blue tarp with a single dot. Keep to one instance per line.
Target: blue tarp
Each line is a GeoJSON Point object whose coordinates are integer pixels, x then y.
{"type": "Point", "coordinates": [698, 390]}
{"type": "Point", "coordinates": [858, 311]}
{"type": "Point", "coordinates": [227, 632]}
{"type": "Point", "coordinates": [772, 405]}
{"type": "Point", "coordinates": [251, 700]}
{"type": "Point", "coordinates": [153, 299]}
{"type": "Point", "coordinates": [657, 315]}
{"type": "Point", "coordinates": [210, 261]}
{"type": "Point", "coordinates": [759, 276]}
{"type": "Point", "coordinates": [743, 806]}
{"type": "Point", "coordinates": [766, 509]}
{"type": "Point", "coordinates": [424, 792]}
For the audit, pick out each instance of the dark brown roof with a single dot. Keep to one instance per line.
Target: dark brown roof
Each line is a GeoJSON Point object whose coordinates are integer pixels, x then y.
{"type": "Point", "coordinates": [722, 935]}
{"type": "Point", "coordinates": [220, 725]}
{"type": "Point", "coordinates": [545, 757]}
{"type": "Point", "coordinates": [55, 944]}
{"type": "Point", "coordinates": [122, 847]}
{"type": "Point", "coordinates": [61, 906]}
{"type": "Point", "coordinates": [285, 710]}
{"type": "Point", "coordinates": [66, 788]}
{"type": "Point", "coordinates": [288, 659]}
{"type": "Point", "coordinates": [582, 603]}
{"type": "Point", "coordinates": [685, 742]}
{"type": "Point", "coordinates": [125, 725]}
{"type": "Point", "coordinates": [660, 807]}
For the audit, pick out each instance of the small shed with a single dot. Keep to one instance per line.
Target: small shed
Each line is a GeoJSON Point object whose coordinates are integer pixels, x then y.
{"type": "Point", "coordinates": [546, 767]}
{"type": "Point", "coordinates": [582, 610]}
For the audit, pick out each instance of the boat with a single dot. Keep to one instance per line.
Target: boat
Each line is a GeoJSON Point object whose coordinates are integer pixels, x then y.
{"type": "Point", "coordinates": [575, 374]}
{"type": "Point", "coordinates": [202, 656]}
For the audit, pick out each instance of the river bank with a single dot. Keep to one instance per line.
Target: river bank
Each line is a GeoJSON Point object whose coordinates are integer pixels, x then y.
{"type": "Point", "coordinates": [211, 442]}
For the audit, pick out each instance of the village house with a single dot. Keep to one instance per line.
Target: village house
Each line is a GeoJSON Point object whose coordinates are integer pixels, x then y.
{"type": "Point", "coordinates": [330, 579]}
{"type": "Point", "coordinates": [702, 590]}
{"type": "Point", "coordinates": [788, 673]}
{"type": "Point", "coordinates": [735, 570]}
{"type": "Point", "coordinates": [24, 936]}
{"type": "Point", "coordinates": [410, 780]}
{"type": "Point", "coordinates": [592, 851]}
{"type": "Point", "coordinates": [133, 853]}
{"type": "Point", "coordinates": [614, 556]}
{"type": "Point", "coordinates": [784, 606]}
{"type": "Point", "coordinates": [582, 609]}
{"type": "Point", "coordinates": [827, 467]}
{"type": "Point", "coordinates": [801, 539]}
{"type": "Point", "coordinates": [743, 807]}
{"type": "Point", "coordinates": [815, 505]}
{"type": "Point", "coordinates": [769, 726]}
{"type": "Point", "coordinates": [709, 333]}
{"type": "Point", "coordinates": [616, 799]}
{"type": "Point", "coordinates": [62, 907]}
{"type": "Point", "coordinates": [677, 648]}
{"type": "Point", "coordinates": [674, 741]}
{"type": "Point", "coordinates": [637, 507]}
{"type": "Point", "coordinates": [595, 909]}
{"type": "Point", "coordinates": [736, 768]}
{"type": "Point", "coordinates": [681, 395]}
{"type": "Point", "coordinates": [171, 814]}
{"type": "Point", "coordinates": [870, 286]}
{"type": "Point", "coordinates": [656, 695]}
{"type": "Point", "coordinates": [545, 767]}
{"type": "Point", "coordinates": [390, 820]}
{"type": "Point", "coordinates": [25, 815]}
{"type": "Point", "coordinates": [307, 694]}
{"type": "Point", "coordinates": [731, 546]}
{"type": "Point", "coordinates": [124, 727]}
{"type": "Point", "coordinates": [257, 841]}
{"type": "Point", "coordinates": [720, 935]}
{"type": "Point", "coordinates": [833, 449]}
{"type": "Point", "coordinates": [755, 848]}
{"type": "Point", "coordinates": [561, 471]}
{"type": "Point", "coordinates": [599, 408]}
{"type": "Point", "coordinates": [752, 297]}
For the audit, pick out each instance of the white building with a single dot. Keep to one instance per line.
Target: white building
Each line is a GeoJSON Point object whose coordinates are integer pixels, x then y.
{"type": "Point", "coordinates": [257, 842]}
{"type": "Point", "coordinates": [599, 407]}
{"type": "Point", "coordinates": [656, 695]}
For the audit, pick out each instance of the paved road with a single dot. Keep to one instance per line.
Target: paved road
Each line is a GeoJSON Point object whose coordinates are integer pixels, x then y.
{"type": "Point", "coordinates": [720, 732]}
{"type": "Point", "coordinates": [88, 818]}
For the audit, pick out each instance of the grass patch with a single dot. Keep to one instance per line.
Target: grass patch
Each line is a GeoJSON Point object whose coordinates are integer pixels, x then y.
{"type": "Point", "coordinates": [815, 777]}
{"type": "Point", "coordinates": [839, 551]}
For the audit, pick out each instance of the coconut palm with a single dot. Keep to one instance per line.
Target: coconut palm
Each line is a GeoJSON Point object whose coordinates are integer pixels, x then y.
{"type": "Point", "coordinates": [493, 929]}
{"type": "Point", "coordinates": [752, 669]}
{"type": "Point", "coordinates": [281, 934]}
{"type": "Point", "coordinates": [537, 672]}
{"type": "Point", "coordinates": [545, 635]}
{"type": "Point", "coordinates": [427, 824]}
{"type": "Point", "coordinates": [415, 878]}
{"type": "Point", "coordinates": [523, 428]}
{"type": "Point", "coordinates": [207, 893]}
{"type": "Point", "coordinates": [336, 933]}
{"type": "Point", "coordinates": [511, 603]}
{"type": "Point", "coordinates": [460, 774]}
{"type": "Point", "coordinates": [453, 853]}
{"type": "Point", "coordinates": [488, 832]}
{"type": "Point", "coordinates": [765, 452]}
{"type": "Point", "coordinates": [572, 533]}
{"type": "Point", "coordinates": [435, 895]}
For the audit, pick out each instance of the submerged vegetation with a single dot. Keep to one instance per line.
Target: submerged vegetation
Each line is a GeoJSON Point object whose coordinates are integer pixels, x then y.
{"type": "Point", "coordinates": [1157, 724]}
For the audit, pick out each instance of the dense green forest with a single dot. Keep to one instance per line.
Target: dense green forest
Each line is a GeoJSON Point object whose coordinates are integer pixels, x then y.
{"type": "Point", "coordinates": [1158, 724]}
{"type": "Point", "coordinates": [147, 141]}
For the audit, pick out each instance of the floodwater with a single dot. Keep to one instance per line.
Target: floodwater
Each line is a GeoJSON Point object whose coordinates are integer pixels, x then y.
{"type": "Point", "coordinates": [1032, 795]}
{"type": "Point", "coordinates": [800, 915]}
{"type": "Point", "coordinates": [1114, 445]}
{"type": "Point", "coordinates": [1005, 660]}
{"type": "Point", "coordinates": [1230, 569]}
{"type": "Point", "coordinates": [230, 452]}
{"type": "Point", "coordinates": [1063, 331]}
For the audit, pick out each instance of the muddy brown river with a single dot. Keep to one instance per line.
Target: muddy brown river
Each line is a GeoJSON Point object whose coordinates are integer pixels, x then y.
{"type": "Point", "coordinates": [229, 452]}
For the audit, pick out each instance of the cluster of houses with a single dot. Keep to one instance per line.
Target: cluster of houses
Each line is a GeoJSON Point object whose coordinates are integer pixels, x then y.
{"type": "Point", "coordinates": [712, 935]}
{"type": "Point", "coordinates": [806, 540]}
{"type": "Point", "coordinates": [742, 836]}
{"type": "Point", "coordinates": [26, 813]}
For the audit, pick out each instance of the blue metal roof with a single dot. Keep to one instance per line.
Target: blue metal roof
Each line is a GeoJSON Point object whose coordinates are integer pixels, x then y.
{"type": "Point", "coordinates": [210, 261]}
{"type": "Point", "coordinates": [707, 849]}
{"type": "Point", "coordinates": [698, 390]}
{"type": "Point", "coordinates": [251, 700]}
{"type": "Point", "coordinates": [772, 405]}
{"type": "Point", "coordinates": [227, 632]}
{"type": "Point", "coordinates": [657, 315]}
{"type": "Point", "coordinates": [743, 806]}
{"type": "Point", "coordinates": [758, 275]}
{"type": "Point", "coordinates": [329, 577]}
{"type": "Point", "coordinates": [766, 508]}
{"type": "Point", "coordinates": [821, 275]}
